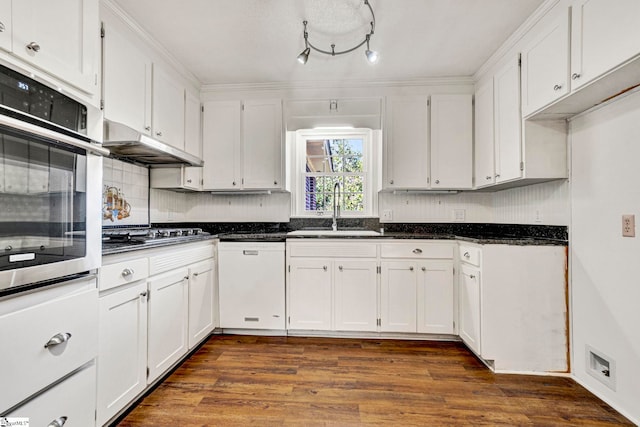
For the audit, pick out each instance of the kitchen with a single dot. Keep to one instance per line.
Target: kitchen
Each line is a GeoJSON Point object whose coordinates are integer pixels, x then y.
{"type": "Point", "coordinates": [451, 198]}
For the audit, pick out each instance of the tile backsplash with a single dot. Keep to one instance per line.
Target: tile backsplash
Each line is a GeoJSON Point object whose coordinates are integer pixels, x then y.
{"type": "Point", "coordinates": [125, 194]}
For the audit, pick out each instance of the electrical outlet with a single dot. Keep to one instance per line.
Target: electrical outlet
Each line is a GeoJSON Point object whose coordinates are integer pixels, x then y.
{"type": "Point", "coordinates": [538, 217]}
{"type": "Point", "coordinates": [628, 226]}
{"type": "Point", "coordinates": [387, 215]}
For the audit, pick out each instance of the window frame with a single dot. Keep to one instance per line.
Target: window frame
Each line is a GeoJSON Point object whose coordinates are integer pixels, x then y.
{"type": "Point", "coordinates": [298, 169]}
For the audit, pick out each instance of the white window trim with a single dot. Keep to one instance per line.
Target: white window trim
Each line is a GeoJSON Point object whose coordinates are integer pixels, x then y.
{"type": "Point", "coordinates": [370, 162]}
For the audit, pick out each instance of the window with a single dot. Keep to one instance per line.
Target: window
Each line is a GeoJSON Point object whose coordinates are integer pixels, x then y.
{"type": "Point", "coordinates": [333, 159]}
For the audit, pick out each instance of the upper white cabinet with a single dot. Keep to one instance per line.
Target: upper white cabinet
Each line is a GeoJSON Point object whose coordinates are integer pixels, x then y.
{"type": "Point", "coordinates": [428, 154]}
{"type": "Point", "coordinates": [168, 112]}
{"type": "Point", "coordinates": [126, 81]}
{"type": "Point", "coordinates": [5, 25]}
{"type": "Point", "coordinates": [451, 141]}
{"type": "Point", "coordinates": [545, 65]}
{"type": "Point", "coordinates": [58, 37]}
{"type": "Point", "coordinates": [604, 34]}
{"type": "Point", "coordinates": [242, 145]}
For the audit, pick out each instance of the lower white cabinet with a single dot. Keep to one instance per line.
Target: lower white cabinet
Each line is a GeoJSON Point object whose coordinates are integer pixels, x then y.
{"type": "Point", "coordinates": [122, 333]}
{"type": "Point", "coordinates": [252, 283]}
{"type": "Point", "coordinates": [201, 301]}
{"type": "Point", "coordinates": [398, 297]}
{"type": "Point", "coordinates": [469, 307]}
{"type": "Point", "coordinates": [435, 297]}
{"type": "Point", "coordinates": [71, 402]}
{"type": "Point", "coordinates": [355, 295]}
{"type": "Point", "coordinates": [309, 294]}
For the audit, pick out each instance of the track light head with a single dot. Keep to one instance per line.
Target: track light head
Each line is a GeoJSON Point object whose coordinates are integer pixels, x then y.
{"type": "Point", "coordinates": [304, 56]}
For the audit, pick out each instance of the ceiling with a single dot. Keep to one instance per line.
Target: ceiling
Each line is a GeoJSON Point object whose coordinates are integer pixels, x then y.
{"type": "Point", "coordinates": [257, 41]}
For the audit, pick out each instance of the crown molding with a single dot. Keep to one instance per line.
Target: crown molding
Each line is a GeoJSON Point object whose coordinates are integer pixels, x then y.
{"type": "Point", "coordinates": [336, 84]}
{"type": "Point", "coordinates": [514, 38]}
{"type": "Point", "coordinates": [148, 39]}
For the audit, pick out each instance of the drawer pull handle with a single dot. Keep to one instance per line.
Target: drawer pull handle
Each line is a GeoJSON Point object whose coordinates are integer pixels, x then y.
{"type": "Point", "coordinates": [417, 251]}
{"type": "Point", "coordinates": [58, 422]}
{"type": "Point", "coordinates": [466, 255]}
{"type": "Point", "coordinates": [33, 46]}
{"type": "Point", "coordinates": [324, 267]}
{"type": "Point", "coordinates": [249, 252]}
{"type": "Point", "coordinates": [472, 276]}
{"type": "Point", "coordinates": [127, 272]}
{"type": "Point", "coordinates": [58, 339]}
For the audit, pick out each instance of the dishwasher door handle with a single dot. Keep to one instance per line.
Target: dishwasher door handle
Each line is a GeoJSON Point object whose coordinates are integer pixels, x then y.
{"type": "Point", "coordinates": [249, 252]}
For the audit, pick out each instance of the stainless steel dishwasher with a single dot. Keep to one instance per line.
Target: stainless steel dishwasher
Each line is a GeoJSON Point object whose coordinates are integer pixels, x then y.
{"type": "Point", "coordinates": [252, 285]}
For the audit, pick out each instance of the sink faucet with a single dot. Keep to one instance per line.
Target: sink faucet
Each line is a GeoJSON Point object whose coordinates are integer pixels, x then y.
{"type": "Point", "coordinates": [336, 206]}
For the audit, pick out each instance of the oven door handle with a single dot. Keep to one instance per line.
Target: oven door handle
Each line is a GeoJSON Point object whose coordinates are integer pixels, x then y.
{"type": "Point", "coordinates": [92, 147]}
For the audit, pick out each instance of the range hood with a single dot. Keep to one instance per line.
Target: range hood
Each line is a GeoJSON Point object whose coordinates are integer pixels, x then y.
{"type": "Point", "coordinates": [128, 143]}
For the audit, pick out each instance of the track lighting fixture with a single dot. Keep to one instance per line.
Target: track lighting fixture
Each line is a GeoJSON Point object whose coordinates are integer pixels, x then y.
{"type": "Point", "coordinates": [372, 55]}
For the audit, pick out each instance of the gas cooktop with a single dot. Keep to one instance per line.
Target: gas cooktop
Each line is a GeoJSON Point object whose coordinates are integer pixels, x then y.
{"type": "Point", "coordinates": [149, 236]}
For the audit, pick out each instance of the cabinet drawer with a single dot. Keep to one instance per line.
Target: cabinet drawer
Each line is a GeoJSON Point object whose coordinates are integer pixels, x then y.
{"type": "Point", "coordinates": [67, 314]}
{"type": "Point", "coordinates": [333, 249]}
{"type": "Point", "coordinates": [469, 255]}
{"type": "Point", "coordinates": [73, 399]}
{"type": "Point", "coordinates": [417, 250]}
{"type": "Point", "coordinates": [120, 273]}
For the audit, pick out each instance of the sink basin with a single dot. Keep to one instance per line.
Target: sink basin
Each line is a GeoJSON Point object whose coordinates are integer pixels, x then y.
{"type": "Point", "coordinates": [331, 233]}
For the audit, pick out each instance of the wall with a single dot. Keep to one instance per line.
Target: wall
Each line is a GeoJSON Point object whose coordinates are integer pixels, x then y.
{"type": "Point", "coordinates": [605, 146]}
{"type": "Point", "coordinates": [125, 194]}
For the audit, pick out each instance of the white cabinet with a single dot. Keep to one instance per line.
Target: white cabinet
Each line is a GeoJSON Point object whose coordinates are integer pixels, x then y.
{"type": "Point", "coordinates": [512, 306]}
{"type": "Point", "coordinates": [5, 25]}
{"type": "Point", "coordinates": [604, 34]}
{"type": "Point", "coordinates": [451, 141]}
{"type": "Point", "coordinates": [435, 297]}
{"type": "Point", "coordinates": [469, 307]}
{"type": "Point", "coordinates": [398, 296]}
{"type": "Point", "coordinates": [252, 285]}
{"type": "Point", "coordinates": [122, 336]}
{"type": "Point", "coordinates": [332, 285]}
{"type": "Point", "coordinates": [127, 72]}
{"type": "Point", "coordinates": [180, 178]}
{"type": "Point", "coordinates": [168, 112]}
{"type": "Point", "coordinates": [202, 301]}
{"type": "Point", "coordinates": [355, 295]}
{"type": "Point", "coordinates": [545, 64]}
{"type": "Point", "coordinates": [168, 321]}
{"type": "Point", "coordinates": [242, 145]}
{"type": "Point", "coordinates": [70, 402]}
{"type": "Point", "coordinates": [406, 151]}
{"type": "Point", "coordinates": [484, 161]}
{"type": "Point", "coordinates": [420, 153]}
{"type": "Point", "coordinates": [309, 292]}
{"type": "Point", "coordinates": [58, 37]}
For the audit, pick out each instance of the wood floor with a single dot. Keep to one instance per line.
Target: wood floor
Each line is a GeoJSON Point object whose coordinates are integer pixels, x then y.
{"type": "Point", "coordinates": [264, 381]}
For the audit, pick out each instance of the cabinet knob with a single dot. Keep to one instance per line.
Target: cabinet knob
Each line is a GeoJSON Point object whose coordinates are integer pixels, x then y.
{"type": "Point", "coordinates": [58, 422]}
{"type": "Point", "coordinates": [575, 76]}
{"type": "Point", "coordinates": [8, 248]}
{"type": "Point", "coordinates": [472, 276]}
{"type": "Point", "coordinates": [417, 251]}
{"type": "Point", "coordinates": [2, 27]}
{"type": "Point", "coordinates": [466, 255]}
{"type": "Point", "coordinates": [340, 267]}
{"type": "Point", "coordinates": [275, 182]}
{"type": "Point", "coordinates": [411, 268]}
{"type": "Point", "coordinates": [34, 47]}
{"type": "Point", "coordinates": [188, 181]}
{"type": "Point", "coordinates": [488, 177]}
{"type": "Point", "coordinates": [391, 182]}
{"type": "Point", "coordinates": [424, 269]}
{"type": "Point", "coordinates": [195, 274]}
{"type": "Point", "coordinates": [158, 133]}
{"type": "Point", "coordinates": [143, 294]}
{"type": "Point", "coordinates": [437, 181]}
{"type": "Point", "coordinates": [147, 128]}
{"type": "Point", "coordinates": [58, 339]}
{"type": "Point", "coordinates": [234, 183]}
{"type": "Point", "coordinates": [557, 87]}
{"type": "Point", "coordinates": [497, 175]}
{"type": "Point", "coordinates": [186, 277]}
{"type": "Point", "coordinates": [324, 267]}
{"type": "Point", "coordinates": [127, 272]}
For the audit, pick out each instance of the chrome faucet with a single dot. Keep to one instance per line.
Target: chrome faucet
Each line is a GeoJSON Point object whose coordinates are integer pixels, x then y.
{"type": "Point", "coordinates": [336, 206]}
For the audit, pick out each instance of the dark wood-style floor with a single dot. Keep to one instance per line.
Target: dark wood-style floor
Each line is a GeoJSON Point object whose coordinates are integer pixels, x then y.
{"type": "Point", "coordinates": [263, 381]}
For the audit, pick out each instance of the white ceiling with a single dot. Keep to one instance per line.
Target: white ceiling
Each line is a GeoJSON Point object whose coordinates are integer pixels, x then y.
{"type": "Point", "coordinates": [257, 41]}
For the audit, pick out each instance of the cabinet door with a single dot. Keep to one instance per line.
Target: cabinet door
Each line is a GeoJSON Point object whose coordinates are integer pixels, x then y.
{"type": "Point", "coordinates": [398, 297]}
{"type": "Point", "coordinates": [192, 139]}
{"type": "Point", "coordinates": [435, 297]}
{"type": "Point", "coordinates": [452, 141]}
{"type": "Point", "coordinates": [262, 148]}
{"type": "Point", "coordinates": [201, 301]}
{"type": "Point", "coordinates": [168, 109]}
{"type": "Point", "coordinates": [356, 296]}
{"type": "Point", "coordinates": [545, 66]}
{"type": "Point", "coordinates": [59, 37]}
{"type": "Point", "coordinates": [469, 308]}
{"type": "Point", "coordinates": [603, 35]}
{"type": "Point", "coordinates": [309, 290]}
{"type": "Point", "coordinates": [168, 321]}
{"type": "Point", "coordinates": [508, 122]}
{"type": "Point", "coordinates": [6, 28]}
{"type": "Point", "coordinates": [406, 159]}
{"type": "Point", "coordinates": [484, 143]}
{"type": "Point", "coordinates": [221, 145]}
{"type": "Point", "coordinates": [122, 349]}
{"type": "Point", "coordinates": [126, 81]}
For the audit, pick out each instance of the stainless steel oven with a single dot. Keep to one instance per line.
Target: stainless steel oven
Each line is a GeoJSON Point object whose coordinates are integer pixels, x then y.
{"type": "Point", "coordinates": [50, 184]}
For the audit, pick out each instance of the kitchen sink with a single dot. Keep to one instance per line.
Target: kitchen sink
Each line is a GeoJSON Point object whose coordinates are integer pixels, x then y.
{"type": "Point", "coordinates": [337, 233]}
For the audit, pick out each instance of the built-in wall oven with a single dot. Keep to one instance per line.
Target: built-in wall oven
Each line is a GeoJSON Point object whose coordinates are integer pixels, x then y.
{"type": "Point", "coordinates": [50, 184]}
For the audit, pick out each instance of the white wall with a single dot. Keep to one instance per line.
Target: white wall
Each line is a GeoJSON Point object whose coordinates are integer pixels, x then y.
{"type": "Point", "coordinates": [605, 283]}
